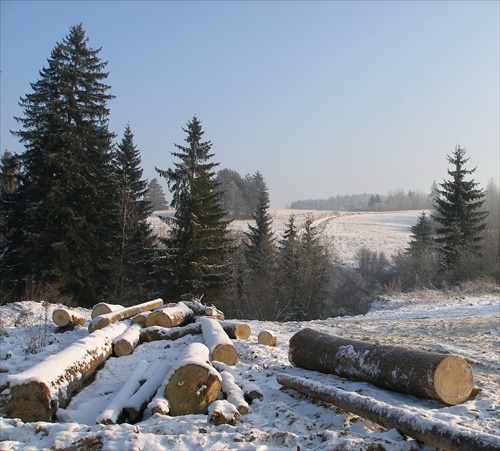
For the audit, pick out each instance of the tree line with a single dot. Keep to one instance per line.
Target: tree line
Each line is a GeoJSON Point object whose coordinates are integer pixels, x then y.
{"type": "Point", "coordinates": [75, 209]}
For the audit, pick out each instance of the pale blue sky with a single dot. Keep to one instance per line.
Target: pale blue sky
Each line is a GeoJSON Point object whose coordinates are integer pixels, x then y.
{"type": "Point", "coordinates": [324, 98]}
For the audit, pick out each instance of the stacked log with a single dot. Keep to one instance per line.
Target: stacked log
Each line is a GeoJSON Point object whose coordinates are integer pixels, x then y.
{"type": "Point", "coordinates": [67, 318]}
{"type": "Point", "coordinates": [236, 331]}
{"type": "Point", "coordinates": [127, 342]}
{"type": "Point", "coordinates": [220, 345]}
{"type": "Point", "coordinates": [440, 377]}
{"type": "Point", "coordinates": [102, 308]}
{"type": "Point", "coordinates": [171, 316]}
{"type": "Point", "coordinates": [155, 333]}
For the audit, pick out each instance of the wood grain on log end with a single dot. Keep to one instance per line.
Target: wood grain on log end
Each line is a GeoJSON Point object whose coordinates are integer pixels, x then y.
{"type": "Point", "coordinates": [453, 380]}
{"type": "Point", "coordinates": [61, 317]}
{"type": "Point", "coordinates": [267, 338]}
{"type": "Point", "coordinates": [225, 353]}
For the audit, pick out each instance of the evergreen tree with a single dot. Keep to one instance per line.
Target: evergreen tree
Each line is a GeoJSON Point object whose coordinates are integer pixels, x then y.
{"type": "Point", "coordinates": [155, 196]}
{"type": "Point", "coordinates": [63, 214]}
{"type": "Point", "coordinates": [9, 181]}
{"type": "Point", "coordinates": [135, 240]}
{"type": "Point", "coordinates": [458, 212]}
{"type": "Point", "coordinates": [196, 261]}
{"type": "Point", "coordinates": [422, 238]}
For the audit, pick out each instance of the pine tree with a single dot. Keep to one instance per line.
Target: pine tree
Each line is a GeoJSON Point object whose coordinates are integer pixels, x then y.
{"type": "Point", "coordinates": [422, 238]}
{"type": "Point", "coordinates": [9, 181]}
{"type": "Point", "coordinates": [135, 240]}
{"type": "Point", "coordinates": [63, 213]}
{"type": "Point", "coordinates": [458, 212]}
{"type": "Point", "coordinates": [155, 196]}
{"type": "Point", "coordinates": [196, 261]}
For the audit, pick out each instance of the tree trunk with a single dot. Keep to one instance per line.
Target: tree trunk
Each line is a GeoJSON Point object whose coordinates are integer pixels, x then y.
{"type": "Point", "coordinates": [127, 342]}
{"type": "Point", "coordinates": [108, 318]}
{"type": "Point", "coordinates": [435, 432]}
{"type": "Point", "coordinates": [38, 392]}
{"type": "Point", "coordinates": [171, 316]}
{"type": "Point", "coordinates": [102, 308]}
{"type": "Point", "coordinates": [141, 318]}
{"type": "Point", "coordinates": [222, 412]}
{"type": "Point", "coordinates": [234, 393]}
{"type": "Point", "coordinates": [220, 345]}
{"type": "Point", "coordinates": [250, 390]}
{"type": "Point", "coordinates": [192, 383]}
{"type": "Point", "coordinates": [155, 333]}
{"type": "Point", "coordinates": [67, 318]}
{"type": "Point", "coordinates": [443, 378]}
{"type": "Point", "coordinates": [137, 403]}
{"type": "Point", "coordinates": [267, 338]}
{"type": "Point", "coordinates": [236, 331]}
{"type": "Point", "coordinates": [113, 411]}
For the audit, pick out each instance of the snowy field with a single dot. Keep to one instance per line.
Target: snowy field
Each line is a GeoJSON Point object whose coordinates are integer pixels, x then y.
{"type": "Point", "coordinates": [465, 323]}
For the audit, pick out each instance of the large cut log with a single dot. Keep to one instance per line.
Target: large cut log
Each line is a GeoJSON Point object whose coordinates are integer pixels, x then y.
{"type": "Point", "coordinates": [112, 317]}
{"type": "Point", "coordinates": [171, 316]}
{"type": "Point", "coordinates": [102, 308]}
{"type": "Point", "coordinates": [434, 432]}
{"type": "Point", "coordinates": [441, 377]}
{"type": "Point", "coordinates": [220, 345]}
{"type": "Point", "coordinates": [267, 338]}
{"type": "Point", "coordinates": [38, 392]}
{"type": "Point", "coordinates": [63, 317]}
{"type": "Point", "coordinates": [138, 402]}
{"type": "Point", "coordinates": [192, 383]}
{"type": "Point", "coordinates": [112, 412]}
{"type": "Point", "coordinates": [127, 342]}
{"type": "Point", "coordinates": [236, 331]}
{"type": "Point", "coordinates": [155, 333]}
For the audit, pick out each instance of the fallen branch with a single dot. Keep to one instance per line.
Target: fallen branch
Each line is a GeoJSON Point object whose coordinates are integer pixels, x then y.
{"type": "Point", "coordinates": [432, 432]}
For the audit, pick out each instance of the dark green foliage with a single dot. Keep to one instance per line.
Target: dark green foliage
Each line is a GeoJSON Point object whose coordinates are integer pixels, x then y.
{"type": "Point", "coordinates": [9, 181]}
{"type": "Point", "coordinates": [195, 261]}
{"type": "Point", "coordinates": [460, 220]}
{"type": "Point", "coordinates": [62, 215]}
{"type": "Point", "coordinates": [155, 196]}
{"type": "Point", "coordinates": [422, 237]}
{"type": "Point", "coordinates": [135, 240]}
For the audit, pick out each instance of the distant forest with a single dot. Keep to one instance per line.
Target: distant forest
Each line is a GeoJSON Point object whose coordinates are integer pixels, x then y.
{"type": "Point", "coordinates": [394, 201]}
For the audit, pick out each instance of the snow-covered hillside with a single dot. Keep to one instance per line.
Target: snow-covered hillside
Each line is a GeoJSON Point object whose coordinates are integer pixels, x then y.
{"type": "Point", "coordinates": [462, 322]}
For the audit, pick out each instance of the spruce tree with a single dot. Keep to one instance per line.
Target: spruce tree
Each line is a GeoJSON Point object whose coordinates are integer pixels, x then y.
{"type": "Point", "coordinates": [135, 240]}
{"type": "Point", "coordinates": [63, 214]}
{"type": "Point", "coordinates": [422, 238]}
{"type": "Point", "coordinates": [196, 251]}
{"type": "Point", "coordinates": [155, 196]}
{"type": "Point", "coordinates": [458, 212]}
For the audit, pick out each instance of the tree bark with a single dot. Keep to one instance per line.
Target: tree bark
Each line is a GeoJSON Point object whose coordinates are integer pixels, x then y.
{"type": "Point", "coordinates": [171, 316]}
{"type": "Point", "coordinates": [222, 412]}
{"type": "Point", "coordinates": [432, 432]}
{"type": "Point", "coordinates": [220, 345]}
{"type": "Point", "coordinates": [109, 318]}
{"type": "Point", "coordinates": [102, 308]}
{"type": "Point", "coordinates": [38, 392]}
{"type": "Point", "coordinates": [440, 377]}
{"type": "Point", "coordinates": [192, 383]}
{"type": "Point", "coordinates": [127, 342]}
{"type": "Point", "coordinates": [155, 333]}
{"type": "Point", "coordinates": [267, 338]}
{"type": "Point", "coordinates": [236, 331]}
{"type": "Point", "coordinates": [67, 318]}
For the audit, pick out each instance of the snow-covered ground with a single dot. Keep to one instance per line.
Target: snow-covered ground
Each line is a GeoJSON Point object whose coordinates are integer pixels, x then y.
{"type": "Point", "coordinates": [462, 322]}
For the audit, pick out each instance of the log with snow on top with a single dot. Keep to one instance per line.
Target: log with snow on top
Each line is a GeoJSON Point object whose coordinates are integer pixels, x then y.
{"type": "Point", "coordinates": [102, 308]}
{"type": "Point", "coordinates": [220, 345]}
{"type": "Point", "coordinates": [236, 331]}
{"type": "Point", "coordinates": [171, 316]}
{"type": "Point", "coordinates": [112, 317]}
{"type": "Point", "coordinates": [127, 342]}
{"type": "Point", "coordinates": [137, 403]}
{"type": "Point", "coordinates": [433, 432]}
{"type": "Point", "coordinates": [222, 412]}
{"type": "Point", "coordinates": [440, 377]}
{"type": "Point", "coordinates": [267, 338]}
{"type": "Point", "coordinates": [156, 333]}
{"type": "Point", "coordinates": [113, 410]}
{"type": "Point", "coordinates": [141, 318]}
{"type": "Point", "coordinates": [234, 393]}
{"type": "Point", "coordinates": [67, 318]}
{"type": "Point", "coordinates": [192, 383]}
{"type": "Point", "coordinates": [251, 391]}
{"type": "Point", "coordinates": [38, 392]}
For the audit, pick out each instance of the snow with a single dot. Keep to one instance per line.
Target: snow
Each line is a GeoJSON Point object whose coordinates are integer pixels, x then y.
{"type": "Point", "coordinates": [464, 321]}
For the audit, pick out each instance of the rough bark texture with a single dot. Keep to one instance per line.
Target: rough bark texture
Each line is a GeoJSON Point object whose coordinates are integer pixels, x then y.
{"type": "Point", "coordinates": [443, 378]}
{"type": "Point", "coordinates": [192, 383]}
{"type": "Point", "coordinates": [102, 308]}
{"type": "Point", "coordinates": [236, 331]}
{"type": "Point", "coordinates": [155, 333]}
{"type": "Point", "coordinates": [109, 318]}
{"type": "Point", "coordinates": [67, 318]}
{"type": "Point", "coordinates": [127, 342]}
{"type": "Point", "coordinates": [37, 393]}
{"type": "Point", "coordinates": [432, 432]}
{"type": "Point", "coordinates": [171, 316]}
{"type": "Point", "coordinates": [220, 345]}
{"type": "Point", "coordinates": [267, 338]}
